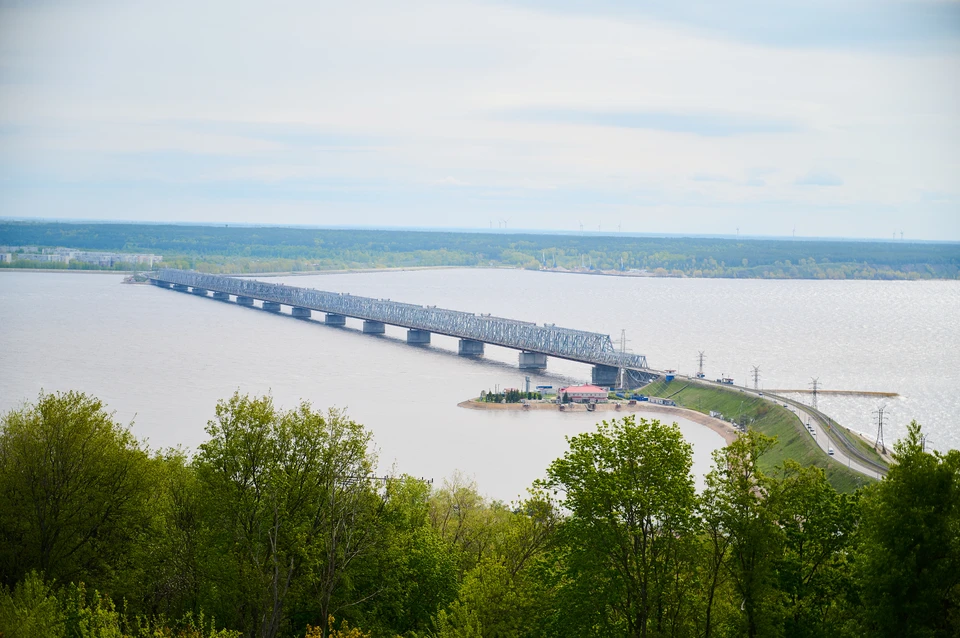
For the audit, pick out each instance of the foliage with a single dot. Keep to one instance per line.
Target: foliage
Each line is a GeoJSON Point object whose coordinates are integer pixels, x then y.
{"type": "Point", "coordinates": [73, 491]}
{"type": "Point", "coordinates": [909, 556]}
{"type": "Point", "coordinates": [241, 249]}
{"type": "Point", "coordinates": [276, 525]}
{"type": "Point", "coordinates": [630, 494]}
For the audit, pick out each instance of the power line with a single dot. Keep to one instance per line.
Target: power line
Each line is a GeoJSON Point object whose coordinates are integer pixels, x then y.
{"type": "Point", "coordinates": [700, 358]}
{"type": "Point", "coordinates": [815, 384]}
{"type": "Point", "coordinates": [756, 377]}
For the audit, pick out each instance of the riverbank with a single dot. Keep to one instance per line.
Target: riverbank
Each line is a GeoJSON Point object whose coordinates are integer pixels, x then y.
{"type": "Point", "coordinates": [724, 429]}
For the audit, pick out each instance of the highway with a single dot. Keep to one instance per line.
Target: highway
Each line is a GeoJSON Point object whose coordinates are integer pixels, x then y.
{"type": "Point", "coordinates": [827, 433]}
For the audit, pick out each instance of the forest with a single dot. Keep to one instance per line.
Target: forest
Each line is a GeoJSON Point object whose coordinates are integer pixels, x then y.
{"type": "Point", "coordinates": [278, 525]}
{"type": "Point", "coordinates": [250, 249]}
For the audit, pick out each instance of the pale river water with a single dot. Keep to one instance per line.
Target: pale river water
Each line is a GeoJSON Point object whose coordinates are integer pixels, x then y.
{"type": "Point", "coordinates": [162, 359]}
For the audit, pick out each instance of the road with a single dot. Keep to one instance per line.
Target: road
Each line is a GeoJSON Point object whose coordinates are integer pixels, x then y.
{"type": "Point", "coordinates": [825, 435]}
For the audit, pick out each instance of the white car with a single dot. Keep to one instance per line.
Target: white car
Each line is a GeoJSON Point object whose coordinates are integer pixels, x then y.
{"type": "Point", "coordinates": [830, 451]}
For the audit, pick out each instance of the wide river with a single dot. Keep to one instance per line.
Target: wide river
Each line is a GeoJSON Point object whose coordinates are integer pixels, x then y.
{"type": "Point", "coordinates": [162, 359]}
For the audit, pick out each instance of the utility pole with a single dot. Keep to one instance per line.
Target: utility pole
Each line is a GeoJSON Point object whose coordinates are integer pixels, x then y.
{"type": "Point", "coordinates": [622, 372]}
{"type": "Point", "coordinates": [700, 358]}
{"type": "Point", "coordinates": [815, 384]}
{"type": "Point", "coordinates": [756, 377]}
{"type": "Point", "coordinates": [879, 441]}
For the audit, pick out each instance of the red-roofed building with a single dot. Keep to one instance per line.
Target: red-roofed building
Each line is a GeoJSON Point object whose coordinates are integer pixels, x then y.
{"type": "Point", "coordinates": [584, 393]}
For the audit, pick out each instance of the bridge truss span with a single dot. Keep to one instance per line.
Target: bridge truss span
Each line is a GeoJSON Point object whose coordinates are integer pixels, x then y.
{"type": "Point", "coordinates": [548, 339]}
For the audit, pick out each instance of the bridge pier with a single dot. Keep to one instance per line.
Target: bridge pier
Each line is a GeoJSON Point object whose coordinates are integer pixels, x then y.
{"type": "Point", "coordinates": [300, 313]}
{"type": "Point", "coordinates": [334, 320]}
{"type": "Point", "coordinates": [533, 361]}
{"type": "Point", "coordinates": [418, 337]}
{"type": "Point", "coordinates": [181, 288]}
{"type": "Point", "coordinates": [161, 284]}
{"type": "Point", "coordinates": [245, 301]}
{"type": "Point", "coordinates": [470, 348]}
{"type": "Point", "coordinates": [271, 306]}
{"type": "Point", "coordinates": [199, 291]}
{"type": "Point", "coordinates": [605, 376]}
{"type": "Point", "coordinates": [373, 328]}
{"type": "Point", "coordinates": [221, 296]}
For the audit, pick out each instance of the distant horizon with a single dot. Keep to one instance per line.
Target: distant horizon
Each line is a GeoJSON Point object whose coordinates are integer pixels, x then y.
{"type": "Point", "coordinates": [492, 231]}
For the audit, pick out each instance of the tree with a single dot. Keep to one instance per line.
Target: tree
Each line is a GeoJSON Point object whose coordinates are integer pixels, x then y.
{"type": "Point", "coordinates": [290, 496]}
{"type": "Point", "coordinates": [909, 556]}
{"type": "Point", "coordinates": [73, 486]}
{"type": "Point", "coordinates": [623, 549]}
{"type": "Point", "coordinates": [743, 532]}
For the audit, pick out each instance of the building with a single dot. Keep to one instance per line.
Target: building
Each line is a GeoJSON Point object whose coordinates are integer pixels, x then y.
{"type": "Point", "coordinates": [584, 394]}
{"type": "Point", "coordinates": [660, 401]}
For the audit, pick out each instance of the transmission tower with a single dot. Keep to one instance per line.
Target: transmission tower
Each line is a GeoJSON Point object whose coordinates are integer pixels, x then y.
{"type": "Point", "coordinates": [756, 377]}
{"type": "Point", "coordinates": [879, 441]}
{"type": "Point", "coordinates": [700, 358]}
{"type": "Point", "coordinates": [815, 384]}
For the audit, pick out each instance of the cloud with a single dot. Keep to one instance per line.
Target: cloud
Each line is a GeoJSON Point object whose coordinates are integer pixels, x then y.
{"type": "Point", "coordinates": [819, 178]}
{"type": "Point", "coordinates": [703, 123]}
{"type": "Point", "coordinates": [845, 24]}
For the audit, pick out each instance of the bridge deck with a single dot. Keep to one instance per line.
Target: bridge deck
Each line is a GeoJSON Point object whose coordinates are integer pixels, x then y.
{"type": "Point", "coordinates": [564, 343]}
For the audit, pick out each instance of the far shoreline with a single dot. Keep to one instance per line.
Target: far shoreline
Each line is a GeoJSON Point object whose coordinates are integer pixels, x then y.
{"type": "Point", "coordinates": [724, 429]}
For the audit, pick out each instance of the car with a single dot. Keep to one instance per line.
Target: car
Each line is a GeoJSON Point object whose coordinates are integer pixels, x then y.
{"type": "Point", "coordinates": [760, 393]}
{"type": "Point", "coordinates": [830, 451]}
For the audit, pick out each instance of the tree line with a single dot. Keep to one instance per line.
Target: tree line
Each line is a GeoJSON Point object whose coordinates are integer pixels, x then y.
{"type": "Point", "coordinates": [246, 249]}
{"type": "Point", "coordinates": [278, 526]}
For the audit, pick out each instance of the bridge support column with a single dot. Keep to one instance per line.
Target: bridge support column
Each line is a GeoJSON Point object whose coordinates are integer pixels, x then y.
{"type": "Point", "coordinates": [533, 361]}
{"type": "Point", "coordinates": [418, 337]}
{"type": "Point", "coordinates": [271, 306]}
{"type": "Point", "coordinates": [300, 313]}
{"type": "Point", "coordinates": [373, 328]}
{"type": "Point", "coordinates": [334, 320]}
{"type": "Point", "coordinates": [470, 348]}
{"type": "Point", "coordinates": [199, 291]}
{"type": "Point", "coordinates": [245, 301]}
{"type": "Point", "coordinates": [605, 376]}
{"type": "Point", "coordinates": [221, 296]}
{"type": "Point", "coordinates": [161, 284]}
{"type": "Point", "coordinates": [181, 288]}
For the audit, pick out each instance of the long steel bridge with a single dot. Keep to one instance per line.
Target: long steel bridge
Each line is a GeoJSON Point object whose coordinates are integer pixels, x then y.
{"type": "Point", "coordinates": [534, 342]}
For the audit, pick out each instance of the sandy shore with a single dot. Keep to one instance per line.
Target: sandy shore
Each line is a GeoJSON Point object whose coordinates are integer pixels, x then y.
{"type": "Point", "coordinates": [724, 429]}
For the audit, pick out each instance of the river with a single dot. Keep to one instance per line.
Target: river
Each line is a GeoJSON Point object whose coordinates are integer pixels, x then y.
{"type": "Point", "coordinates": [162, 359]}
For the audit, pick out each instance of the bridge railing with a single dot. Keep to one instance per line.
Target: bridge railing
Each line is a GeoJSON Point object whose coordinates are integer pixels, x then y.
{"type": "Point", "coordinates": [565, 343]}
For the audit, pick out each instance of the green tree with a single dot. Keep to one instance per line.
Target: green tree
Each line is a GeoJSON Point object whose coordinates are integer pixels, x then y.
{"type": "Point", "coordinates": [743, 531]}
{"type": "Point", "coordinates": [290, 498]}
{"type": "Point", "coordinates": [624, 548]}
{"type": "Point", "coordinates": [909, 557]}
{"type": "Point", "coordinates": [73, 487]}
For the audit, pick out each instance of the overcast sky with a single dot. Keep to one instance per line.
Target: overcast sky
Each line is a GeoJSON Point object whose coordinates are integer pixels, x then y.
{"type": "Point", "coordinates": [830, 117]}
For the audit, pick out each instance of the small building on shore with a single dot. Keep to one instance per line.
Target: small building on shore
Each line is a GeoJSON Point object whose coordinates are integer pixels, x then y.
{"type": "Point", "coordinates": [662, 401]}
{"type": "Point", "coordinates": [584, 394]}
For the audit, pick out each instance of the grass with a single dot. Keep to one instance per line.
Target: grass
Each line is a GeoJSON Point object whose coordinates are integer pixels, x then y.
{"type": "Point", "coordinates": [793, 441]}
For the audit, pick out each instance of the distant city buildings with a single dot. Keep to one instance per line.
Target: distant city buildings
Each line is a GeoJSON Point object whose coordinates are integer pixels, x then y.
{"type": "Point", "coordinates": [36, 254]}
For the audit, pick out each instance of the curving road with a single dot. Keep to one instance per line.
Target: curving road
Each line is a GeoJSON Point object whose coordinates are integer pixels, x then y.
{"type": "Point", "coordinates": [825, 433]}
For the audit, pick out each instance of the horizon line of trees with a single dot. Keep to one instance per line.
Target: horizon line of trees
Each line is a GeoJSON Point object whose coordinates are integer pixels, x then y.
{"type": "Point", "coordinates": [277, 526]}
{"type": "Point", "coordinates": [244, 249]}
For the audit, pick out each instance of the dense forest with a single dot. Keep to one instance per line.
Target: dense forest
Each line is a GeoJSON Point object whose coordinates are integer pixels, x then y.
{"type": "Point", "coordinates": [277, 526]}
{"type": "Point", "coordinates": [241, 249]}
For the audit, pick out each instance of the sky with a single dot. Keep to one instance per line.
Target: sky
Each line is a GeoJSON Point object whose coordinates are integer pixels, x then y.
{"type": "Point", "coordinates": [825, 118]}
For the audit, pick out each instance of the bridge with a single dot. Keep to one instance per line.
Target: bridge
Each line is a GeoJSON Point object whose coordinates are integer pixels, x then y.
{"type": "Point", "coordinates": [534, 342]}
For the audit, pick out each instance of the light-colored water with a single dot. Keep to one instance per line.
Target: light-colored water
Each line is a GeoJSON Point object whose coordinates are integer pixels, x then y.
{"type": "Point", "coordinates": [165, 357]}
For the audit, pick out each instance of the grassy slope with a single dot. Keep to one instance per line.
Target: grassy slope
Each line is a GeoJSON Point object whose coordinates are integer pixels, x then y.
{"type": "Point", "coordinates": [793, 442]}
